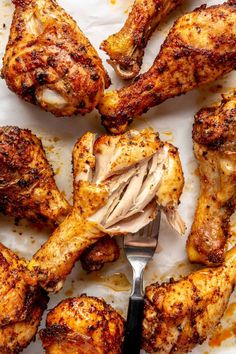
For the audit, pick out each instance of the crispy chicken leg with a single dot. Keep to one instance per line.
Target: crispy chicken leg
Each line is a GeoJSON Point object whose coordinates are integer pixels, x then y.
{"type": "Point", "coordinates": [178, 315]}
{"type": "Point", "coordinates": [214, 136]}
{"type": "Point", "coordinates": [126, 47]}
{"type": "Point", "coordinates": [118, 187]}
{"type": "Point", "coordinates": [28, 190]}
{"type": "Point", "coordinates": [200, 47]}
{"type": "Point", "coordinates": [27, 187]}
{"type": "Point", "coordinates": [49, 62]}
{"type": "Point", "coordinates": [181, 314]}
{"type": "Point", "coordinates": [21, 304]}
{"type": "Point", "coordinates": [83, 325]}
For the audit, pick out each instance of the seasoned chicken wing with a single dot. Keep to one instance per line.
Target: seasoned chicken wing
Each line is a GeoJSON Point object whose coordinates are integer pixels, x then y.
{"type": "Point", "coordinates": [21, 304]}
{"type": "Point", "coordinates": [126, 47]}
{"type": "Point", "coordinates": [181, 314]}
{"type": "Point", "coordinates": [214, 137]}
{"type": "Point", "coordinates": [83, 325]}
{"type": "Point", "coordinates": [200, 47]}
{"type": "Point", "coordinates": [49, 61]}
{"type": "Point", "coordinates": [119, 183]}
{"type": "Point", "coordinates": [27, 187]}
{"type": "Point", "coordinates": [178, 315]}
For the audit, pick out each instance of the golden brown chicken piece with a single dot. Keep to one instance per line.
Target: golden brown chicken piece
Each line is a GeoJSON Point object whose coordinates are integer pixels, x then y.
{"type": "Point", "coordinates": [21, 304]}
{"type": "Point", "coordinates": [126, 47]}
{"type": "Point", "coordinates": [105, 250]}
{"type": "Point", "coordinates": [17, 336]}
{"type": "Point", "coordinates": [214, 137]}
{"type": "Point", "coordinates": [16, 294]}
{"type": "Point", "coordinates": [83, 325]}
{"type": "Point", "coordinates": [49, 61]}
{"type": "Point", "coordinates": [118, 188]}
{"type": "Point", "coordinates": [200, 47]}
{"type": "Point", "coordinates": [178, 315]}
{"type": "Point", "coordinates": [181, 314]}
{"type": "Point", "coordinates": [27, 187]}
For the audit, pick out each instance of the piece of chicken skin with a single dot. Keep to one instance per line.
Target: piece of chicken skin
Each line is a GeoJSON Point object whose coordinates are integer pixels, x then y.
{"type": "Point", "coordinates": [49, 61]}
{"type": "Point", "coordinates": [21, 303]}
{"type": "Point", "coordinates": [17, 336]}
{"type": "Point", "coordinates": [214, 140]}
{"type": "Point", "coordinates": [27, 187]}
{"type": "Point", "coordinates": [105, 250]}
{"type": "Point", "coordinates": [200, 47]}
{"type": "Point", "coordinates": [108, 171]}
{"type": "Point", "coordinates": [83, 325]}
{"type": "Point", "coordinates": [126, 47]}
{"type": "Point", "coordinates": [181, 314]}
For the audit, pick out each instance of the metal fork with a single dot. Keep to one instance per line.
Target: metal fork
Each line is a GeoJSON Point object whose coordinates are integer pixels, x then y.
{"type": "Point", "coordinates": [139, 249]}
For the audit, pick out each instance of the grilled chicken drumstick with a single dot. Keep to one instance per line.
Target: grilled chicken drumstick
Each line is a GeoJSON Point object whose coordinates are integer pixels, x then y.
{"type": "Point", "coordinates": [49, 61]}
{"type": "Point", "coordinates": [126, 47]}
{"type": "Point", "coordinates": [21, 304]}
{"type": "Point", "coordinates": [214, 138]}
{"type": "Point", "coordinates": [119, 183]}
{"type": "Point", "coordinates": [28, 190]}
{"type": "Point", "coordinates": [181, 314]}
{"type": "Point", "coordinates": [83, 325]}
{"type": "Point", "coordinates": [200, 47]}
{"type": "Point", "coordinates": [27, 187]}
{"type": "Point", "coordinates": [178, 315]}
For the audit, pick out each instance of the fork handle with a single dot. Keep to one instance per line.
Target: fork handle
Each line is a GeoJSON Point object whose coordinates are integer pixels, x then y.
{"type": "Point", "coordinates": [133, 330]}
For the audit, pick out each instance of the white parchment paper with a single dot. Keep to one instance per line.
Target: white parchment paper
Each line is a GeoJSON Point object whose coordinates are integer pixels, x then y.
{"type": "Point", "coordinates": [173, 119]}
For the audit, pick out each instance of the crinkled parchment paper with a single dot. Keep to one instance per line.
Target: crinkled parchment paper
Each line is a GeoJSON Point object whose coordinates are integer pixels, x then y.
{"type": "Point", "coordinates": [173, 119]}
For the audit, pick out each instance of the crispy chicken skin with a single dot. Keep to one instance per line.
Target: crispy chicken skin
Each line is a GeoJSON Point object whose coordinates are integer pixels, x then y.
{"type": "Point", "coordinates": [108, 171]}
{"type": "Point", "coordinates": [178, 315]}
{"type": "Point", "coordinates": [214, 141]}
{"type": "Point", "coordinates": [200, 47]}
{"type": "Point", "coordinates": [16, 293]}
{"type": "Point", "coordinates": [181, 314]}
{"type": "Point", "coordinates": [27, 187]}
{"type": "Point", "coordinates": [126, 47]}
{"type": "Point", "coordinates": [49, 61]}
{"type": "Point", "coordinates": [21, 304]}
{"type": "Point", "coordinates": [17, 336]}
{"type": "Point", "coordinates": [103, 251]}
{"type": "Point", "coordinates": [83, 325]}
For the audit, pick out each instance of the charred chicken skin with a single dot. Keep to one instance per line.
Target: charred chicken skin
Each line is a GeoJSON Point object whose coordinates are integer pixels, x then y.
{"type": "Point", "coordinates": [119, 183]}
{"type": "Point", "coordinates": [83, 325]}
{"type": "Point", "coordinates": [178, 315]}
{"type": "Point", "coordinates": [200, 47]}
{"type": "Point", "coordinates": [49, 61]}
{"type": "Point", "coordinates": [21, 304]}
{"type": "Point", "coordinates": [27, 187]}
{"type": "Point", "coordinates": [214, 140]}
{"type": "Point", "coordinates": [126, 47]}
